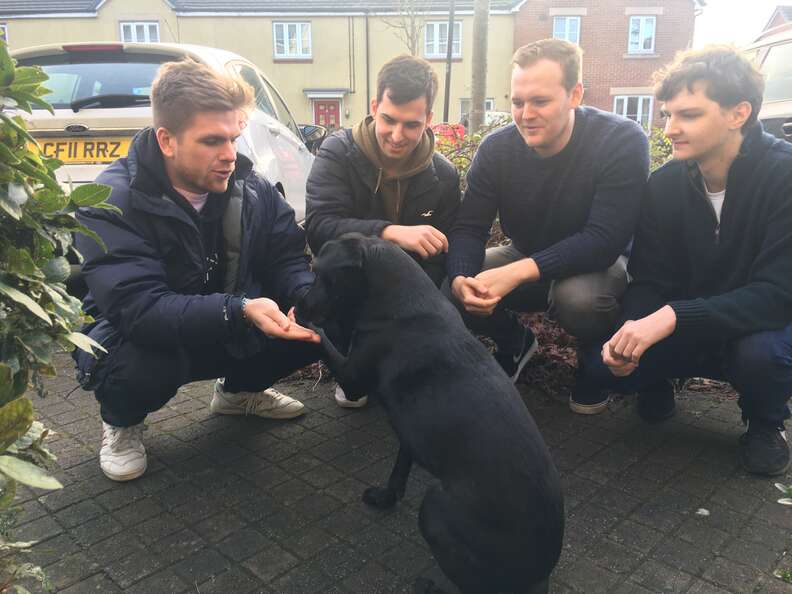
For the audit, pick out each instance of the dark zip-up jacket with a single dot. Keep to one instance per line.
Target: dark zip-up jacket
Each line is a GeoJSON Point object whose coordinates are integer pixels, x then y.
{"type": "Point", "coordinates": [341, 197]}
{"type": "Point", "coordinates": [723, 280]}
{"type": "Point", "coordinates": [154, 283]}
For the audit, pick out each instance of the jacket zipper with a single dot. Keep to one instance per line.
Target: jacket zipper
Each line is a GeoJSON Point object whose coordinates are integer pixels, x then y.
{"type": "Point", "coordinates": [711, 208]}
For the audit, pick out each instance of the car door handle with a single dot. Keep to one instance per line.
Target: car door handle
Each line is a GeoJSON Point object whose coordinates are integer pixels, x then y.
{"type": "Point", "coordinates": [786, 128]}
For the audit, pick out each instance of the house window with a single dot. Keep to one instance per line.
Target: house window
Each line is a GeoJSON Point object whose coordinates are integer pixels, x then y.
{"type": "Point", "coordinates": [140, 32]}
{"type": "Point", "coordinates": [4, 33]}
{"type": "Point", "coordinates": [642, 35]}
{"type": "Point", "coordinates": [567, 28]}
{"type": "Point", "coordinates": [436, 39]}
{"type": "Point", "coordinates": [464, 107]}
{"type": "Point", "coordinates": [635, 107]}
{"type": "Point", "coordinates": [292, 40]}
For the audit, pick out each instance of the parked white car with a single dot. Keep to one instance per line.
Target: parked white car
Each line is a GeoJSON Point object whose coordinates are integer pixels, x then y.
{"type": "Point", "coordinates": [100, 93]}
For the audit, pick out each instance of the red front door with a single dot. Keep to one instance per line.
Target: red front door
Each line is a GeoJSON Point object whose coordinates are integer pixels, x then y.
{"type": "Point", "coordinates": [327, 113]}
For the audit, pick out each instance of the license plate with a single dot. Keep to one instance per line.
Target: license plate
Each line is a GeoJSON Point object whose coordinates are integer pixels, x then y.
{"type": "Point", "coordinates": [84, 150]}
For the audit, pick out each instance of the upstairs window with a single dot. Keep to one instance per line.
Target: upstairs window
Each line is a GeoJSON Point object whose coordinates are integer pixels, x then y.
{"type": "Point", "coordinates": [567, 28]}
{"type": "Point", "coordinates": [292, 40]}
{"type": "Point", "coordinates": [436, 39]}
{"type": "Point", "coordinates": [642, 35]}
{"type": "Point", "coordinates": [140, 32]}
{"type": "Point", "coordinates": [4, 33]}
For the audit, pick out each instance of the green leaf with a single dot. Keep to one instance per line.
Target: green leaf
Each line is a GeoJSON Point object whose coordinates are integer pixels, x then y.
{"type": "Point", "coordinates": [38, 344]}
{"type": "Point", "coordinates": [16, 417]}
{"type": "Point", "coordinates": [12, 198]}
{"type": "Point", "coordinates": [90, 194]}
{"type": "Point", "coordinates": [7, 67]}
{"type": "Point", "coordinates": [22, 299]}
{"type": "Point", "coordinates": [6, 383]}
{"type": "Point", "coordinates": [7, 155]}
{"type": "Point", "coordinates": [86, 343]}
{"type": "Point", "coordinates": [29, 75]}
{"type": "Point", "coordinates": [7, 494]}
{"type": "Point", "coordinates": [19, 262]}
{"type": "Point", "coordinates": [56, 270]}
{"type": "Point", "coordinates": [20, 129]}
{"type": "Point", "coordinates": [27, 473]}
{"type": "Point", "coordinates": [49, 201]}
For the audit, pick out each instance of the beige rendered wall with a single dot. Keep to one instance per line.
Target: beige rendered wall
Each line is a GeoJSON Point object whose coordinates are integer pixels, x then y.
{"type": "Point", "coordinates": [332, 67]}
{"type": "Point", "coordinates": [25, 32]}
{"type": "Point", "coordinates": [338, 50]}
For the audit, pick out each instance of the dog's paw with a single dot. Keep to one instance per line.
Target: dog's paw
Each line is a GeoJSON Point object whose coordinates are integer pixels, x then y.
{"type": "Point", "coordinates": [426, 586]}
{"type": "Point", "coordinates": [380, 497]}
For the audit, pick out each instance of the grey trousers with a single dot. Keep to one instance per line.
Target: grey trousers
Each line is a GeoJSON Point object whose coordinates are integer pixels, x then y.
{"type": "Point", "coordinates": [586, 306]}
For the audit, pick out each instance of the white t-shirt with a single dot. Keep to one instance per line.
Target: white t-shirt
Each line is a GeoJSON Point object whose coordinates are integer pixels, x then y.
{"type": "Point", "coordinates": [717, 200]}
{"type": "Point", "coordinates": [197, 200]}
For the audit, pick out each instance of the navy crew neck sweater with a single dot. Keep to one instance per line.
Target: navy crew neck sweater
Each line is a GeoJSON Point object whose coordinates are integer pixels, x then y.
{"type": "Point", "coordinates": [573, 213]}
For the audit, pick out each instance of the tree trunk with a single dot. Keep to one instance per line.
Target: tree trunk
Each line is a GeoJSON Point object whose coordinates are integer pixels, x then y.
{"type": "Point", "coordinates": [479, 82]}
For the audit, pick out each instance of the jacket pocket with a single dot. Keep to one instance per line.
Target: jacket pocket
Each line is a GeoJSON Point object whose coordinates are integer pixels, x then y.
{"type": "Point", "coordinates": [90, 370]}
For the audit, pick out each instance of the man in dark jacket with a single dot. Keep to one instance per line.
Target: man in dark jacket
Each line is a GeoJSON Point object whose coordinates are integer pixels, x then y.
{"type": "Point", "coordinates": [195, 242]}
{"type": "Point", "coordinates": [565, 182]}
{"type": "Point", "coordinates": [712, 265]}
{"type": "Point", "coordinates": [383, 178]}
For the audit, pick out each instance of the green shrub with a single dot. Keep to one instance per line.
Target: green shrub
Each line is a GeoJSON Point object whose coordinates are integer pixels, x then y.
{"type": "Point", "coordinates": [37, 316]}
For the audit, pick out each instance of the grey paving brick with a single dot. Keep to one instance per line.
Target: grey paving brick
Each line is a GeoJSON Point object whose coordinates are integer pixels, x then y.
{"type": "Point", "coordinates": [165, 581]}
{"type": "Point", "coordinates": [71, 569]}
{"type": "Point", "coordinates": [236, 580]}
{"type": "Point", "coordinates": [734, 576]}
{"type": "Point", "coordinates": [132, 568]}
{"type": "Point", "coordinates": [96, 584]}
{"type": "Point", "coordinates": [270, 563]}
{"type": "Point", "coordinates": [201, 565]}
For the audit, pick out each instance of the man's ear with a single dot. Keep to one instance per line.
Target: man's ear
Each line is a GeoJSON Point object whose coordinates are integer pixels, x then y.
{"type": "Point", "coordinates": [576, 95]}
{"type": "Point", "coordinates": [739, 114]}
{"type": "Point", "coordinates": [374, 106]}
{"type": "Point", "coordinates": [429, 117]}
{"type": "Point", "coordinates": [166, 141]}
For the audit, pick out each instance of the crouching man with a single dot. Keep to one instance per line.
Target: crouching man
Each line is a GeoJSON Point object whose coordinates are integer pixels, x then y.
{"type": "Point", "coordinates": [202, 260]}
{"type": "Point", "coordinates": [711, 290]}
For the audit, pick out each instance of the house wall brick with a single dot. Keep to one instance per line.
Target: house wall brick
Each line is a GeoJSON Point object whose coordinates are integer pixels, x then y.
{"type": "Point", "coordinates": [604, 37]}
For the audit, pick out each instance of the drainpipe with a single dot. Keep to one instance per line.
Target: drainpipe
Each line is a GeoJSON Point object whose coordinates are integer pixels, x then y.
{"type": "Point", "coordinates": [449, 54]}
{"type": "Point", "coordinates": [368, 81]}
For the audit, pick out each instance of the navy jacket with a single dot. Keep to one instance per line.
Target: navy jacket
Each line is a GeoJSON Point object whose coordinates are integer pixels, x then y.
{"type": "Point", "coordinates": [151, 283]}
{"type": "Point", "coordinates": [722, 280]}
{"type": "Point", "coordinates": [341, 198]}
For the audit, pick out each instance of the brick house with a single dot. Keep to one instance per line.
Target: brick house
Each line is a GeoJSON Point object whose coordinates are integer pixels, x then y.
{"type": "Point", "coordinates": [780, 20]}
{"type": "Point", "coordinates": [624, 42]}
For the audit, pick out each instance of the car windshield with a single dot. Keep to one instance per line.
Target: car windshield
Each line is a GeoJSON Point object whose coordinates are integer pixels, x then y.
{"type": "Point", "coordinates": [777, 68]}
{"type": "Point", "coordinates": [79, 76]}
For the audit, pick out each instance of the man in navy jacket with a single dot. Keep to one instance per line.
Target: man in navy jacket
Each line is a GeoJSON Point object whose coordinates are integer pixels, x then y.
{"type": "Point", "coordinates": [566, 182]}
{"type": "Point", "coordinates": [202, 258]}
{"type": "Point", "coordinates": [711, 291]}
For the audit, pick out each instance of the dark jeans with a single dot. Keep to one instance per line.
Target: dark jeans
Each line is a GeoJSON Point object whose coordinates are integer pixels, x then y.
{"type": "Point", "coordinates": [133, 381]}
{"type": "Point", "coordinates": [759, 366]}
{"type": "Point", "coordinates": [586, 306]}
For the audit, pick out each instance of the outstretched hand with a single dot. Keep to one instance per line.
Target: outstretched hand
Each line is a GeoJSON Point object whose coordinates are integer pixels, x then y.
{"type": "Point", "coordinates": [265, 315]}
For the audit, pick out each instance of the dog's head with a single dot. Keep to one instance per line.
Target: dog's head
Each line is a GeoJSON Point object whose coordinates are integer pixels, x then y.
{"type": "Point", "coordinates": [340, 284]}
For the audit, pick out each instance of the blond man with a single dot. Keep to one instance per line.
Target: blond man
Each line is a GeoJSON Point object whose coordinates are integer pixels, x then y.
{"type": "Point", "coordinates": [203, 259]}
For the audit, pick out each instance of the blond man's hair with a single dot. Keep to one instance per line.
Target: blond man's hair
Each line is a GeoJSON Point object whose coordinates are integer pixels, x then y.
{"type": "Point", "coordinates": [184, 88]}
{"type": "Point", "coordinates": [565, 54]}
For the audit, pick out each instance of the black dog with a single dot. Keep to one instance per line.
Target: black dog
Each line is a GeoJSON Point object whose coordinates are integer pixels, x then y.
{"type": "Point", "coordinates": [496, 523]}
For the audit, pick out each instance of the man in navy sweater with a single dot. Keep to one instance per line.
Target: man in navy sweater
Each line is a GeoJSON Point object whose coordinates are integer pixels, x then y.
{"type": "Point", "coordinates": [712, 265]}
{"type": "Point", "coordinates": [566, 182]}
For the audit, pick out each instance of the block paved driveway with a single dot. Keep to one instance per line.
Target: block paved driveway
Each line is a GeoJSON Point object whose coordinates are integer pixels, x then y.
{"type": "Point", "coordinates": [237, 505]}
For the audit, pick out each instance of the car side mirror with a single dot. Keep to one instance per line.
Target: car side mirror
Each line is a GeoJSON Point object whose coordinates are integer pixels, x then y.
{"type": "Point", "coordinates": [313, 136]}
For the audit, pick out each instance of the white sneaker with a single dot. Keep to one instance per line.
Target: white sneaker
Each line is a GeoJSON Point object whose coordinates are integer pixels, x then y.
{"type": "Point", "coordinates": [122, 457]}
{"type": "Point", "coordinates": [268, 403]}
{"type": "Point", "coordinates": [341, 399]}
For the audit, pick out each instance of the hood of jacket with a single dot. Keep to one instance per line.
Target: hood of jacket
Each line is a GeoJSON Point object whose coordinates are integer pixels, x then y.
{"type": "Point", "coordinates": [393, 188]}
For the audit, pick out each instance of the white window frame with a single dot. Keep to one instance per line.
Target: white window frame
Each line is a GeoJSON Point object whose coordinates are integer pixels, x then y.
{"type": "Point", "coordinates": [489, 105]}
{"type": "Point", "coordinates": [642, 23]}
{"type": "Point", "coordinates": [643, 100]}
{"type": "Point", "coordinates": [133, 25]}
{"type": "Point", "coordinates": [432, 49]}
{"type": "Point", "coordinates": [572, 23]}
{"type": "Point", "coordinates": [4, 32]}
{"type": "Point", "coordinates": [301, 29]}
